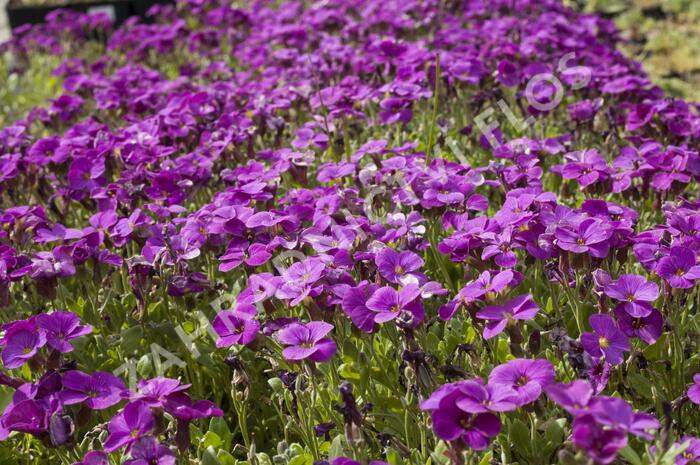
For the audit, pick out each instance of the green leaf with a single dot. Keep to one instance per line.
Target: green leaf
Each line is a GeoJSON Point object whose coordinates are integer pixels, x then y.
{"type": "Point", "coordinates": [554, 433]}
{"type": "Point", "coordinates": [209, 457]}
{"type": "Point", "coordinates": [218, 425]}
{"type": "Point", "coordinates": [519, 436]}
{"type": "Point", "coordinates": [303, 459]}
{"type": "Point", "coordinates": [393, 457]}
{"type": "Point", "coordinates": [630, 455]}
{"type": "Point", "coordinates": [336, 449]}
{"type": "Point", "coordinates": [225, 458]}
{"type": "Point", "coordinates": [211, 439]}
{"type": "Point", "coordinates": [131, 339]}
{"type": "Point", "coordinates": [486, 460]}
{"type": "Point", "coordinates": [640, 384]}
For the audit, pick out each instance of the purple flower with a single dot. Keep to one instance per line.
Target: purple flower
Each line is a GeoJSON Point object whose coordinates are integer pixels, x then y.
{"type": "Point", "coordinates": [155, 392]}
{"type": "Point", "coordinates": [25, 416]}
{"type": "Point", "coordinates": [679, 268]}
{"type": "Point", "coordinates": [235, 327]}
{"type": "Point", "coordinates": [606, 339]}
{"type": "Point", "coordinates": [613, 412]}
{"type": "Point", "coordinates": [526, 377]}
{"type": "Point", "coordinates": [22, 341]}
{"type": "Point", "coordinates": [182, 407]}
{"type": "Point", "coordinates": [61, 327]}
{"type": "Point", "coordinates": [99, 390]}
{"type": "Point", "coordinates": [94, 458]}
{"type": "Point", "coordinates": [452, 423]}
{"type": "Point", "coordinates": [647, 328]}
{"type": "Point", "coordinates": [484, 285]}
{"type": "Point", "coordinates": [354, 304]}
{"type": "Point", "coordinates": [573, 397]}
{"type": "Point", "coordinates": [299, 280]}
{"type": "Point", "coordinates": [388, 303]}
{"type": "Point", "coordinates": [148, 451]}
{"type": "Point", "coordinates": [307, 341]}
{"type": "Point", "coordinates": [479, 398]}
{"type": "Point", "coordinates": [590, 236]}
{"type": "Point", "coordinates": [132, 423]}
{"type": "Point", "coordinates": [691, 455]}
{"type": "Point", "coordinates": [397, 267]}
{"type": "Point", "coordinates": [519, 308]}
{"type": "Point", "coordinates": [694, 391]}
{"type": "Point", "coordinates": [500, 248]}
{"type": "Point", "coordinates": [601, 444]}
{"type": "Point", "coordinates": [635, 293]}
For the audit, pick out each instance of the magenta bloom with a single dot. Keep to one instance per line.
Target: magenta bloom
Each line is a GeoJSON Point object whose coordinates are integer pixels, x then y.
{"type": "Point", "coordinates": [573, 397]}
{"type": "Point", "coordinates": [94, 458]}
{"type": "Point", "coordinates": [451, 423]}
{"type": "Point", "coordinates": [61, 327]}
{"type": "Point", "coordinates": [479, 398]}
{"type": "Point", "coordinates": [397, 267]}
{"type": "Point", "coordinates": [148, 451]}
{"type": "Point", "coordinates": [601, 444]}
{"type": "Point", "coordinates": [524, 376]}
{"type": "Point", "coordinates": [99, 390]}
{"type": "Point", "coordinates": [647, 328]}
{"type": "Point", "coordinates": [635, 293]}
{"type": "Point", "coordinates": [606, 339]}
{"type": "Point", "coordinates": [473, 291]}
{"type": "Point", "coordinates": [22, 341]}
{"type": "Point", "coordinates": [694, 391]}
{"type": "Point", "coordinates": [299, 280]}
{"type": "Point", "coordinates": [182, 407]}
{"type": "Point", "coordinates": [519, 308]}
{"type": "Point", "coordinates": [155, 392]}
{"type": "Point", "coordinates": [235, 327]}
{"type": "Point", "coordinates": [307, 341]}
{"type": "Point", "coordinates": [484, 284]}
{"type": "Point", "coordinates": [354, 305]}
{"type": "Point", "coordinates": [132, 423]}
{"type": "Point", "coordinates": [679, 268]}
{"type": "Point", "coordinates": [388, 303]}
{"type": "Point", "coordinates": [590, 236]}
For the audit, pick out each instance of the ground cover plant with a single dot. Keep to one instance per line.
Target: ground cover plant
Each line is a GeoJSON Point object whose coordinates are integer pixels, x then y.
{"type": "Point", "coordinates": [387, 232]}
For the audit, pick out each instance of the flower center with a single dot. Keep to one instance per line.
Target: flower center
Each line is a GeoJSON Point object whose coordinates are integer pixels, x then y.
{"type": "Point", "coordinates": [467, 422]}
{"type": "Point", "coordinates": [522, 381]}
{"type": "Point", "coordinates": [580, 241]}
{"type": "Point", "coordinates": [26, 350]}
{"type": "Point", "coordinates": [630, 297]}
{"type": "Point", "coordinates": [603, 342]}
{"type": "Point", "coordinates": [399, 269]}
{"type": "Point", "coordinates": [680, 272]}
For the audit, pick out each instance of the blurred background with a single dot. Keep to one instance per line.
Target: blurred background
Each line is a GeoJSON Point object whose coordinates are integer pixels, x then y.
{"type": "Point", "coordinates": [663, 34]}
{"type": "Point", "coordinates": [4, 28]}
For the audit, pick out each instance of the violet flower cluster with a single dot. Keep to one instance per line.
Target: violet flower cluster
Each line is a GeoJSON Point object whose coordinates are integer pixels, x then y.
{"type": "Point", "coordinates": [294, 204]}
